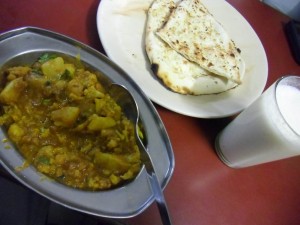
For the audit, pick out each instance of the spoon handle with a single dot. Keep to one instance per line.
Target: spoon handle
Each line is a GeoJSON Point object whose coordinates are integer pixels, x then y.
{"type": "Point", "coordinates": [160, 199]}
{"type": "Point", "coordinates": [128, 104]}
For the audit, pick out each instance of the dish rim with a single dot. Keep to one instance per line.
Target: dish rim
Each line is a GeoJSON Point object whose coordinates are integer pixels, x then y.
{"type": "Point", "coordinates": [13, 158]}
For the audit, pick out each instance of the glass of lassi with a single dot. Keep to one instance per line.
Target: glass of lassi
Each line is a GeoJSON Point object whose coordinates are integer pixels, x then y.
{"type": "Point", "coordinates": [268, 130]}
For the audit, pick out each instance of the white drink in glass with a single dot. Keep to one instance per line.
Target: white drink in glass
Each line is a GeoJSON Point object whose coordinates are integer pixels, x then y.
{"type": "Point", "coordinates": [267, 130]}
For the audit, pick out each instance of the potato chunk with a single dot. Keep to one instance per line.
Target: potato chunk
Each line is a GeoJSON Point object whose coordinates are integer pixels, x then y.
{"type": "Point", "coordinates": [98, 123]}
{"type": "Point", "coordinates": [66, 116]}
{"type": "Point", "coordinates": [12, 91]}
{"type": "Point", "coordinates": [53, 68]}
{"type": "Point", "coordinates": [112, 162]}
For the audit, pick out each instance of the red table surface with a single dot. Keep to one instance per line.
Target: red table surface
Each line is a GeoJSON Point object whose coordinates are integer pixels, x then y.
{"type": "Point", "coordinates": [202, 189]}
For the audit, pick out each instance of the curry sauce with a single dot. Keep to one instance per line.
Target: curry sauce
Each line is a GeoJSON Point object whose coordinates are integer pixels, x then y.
{"type": "Point", "coordinates": [67, 126]}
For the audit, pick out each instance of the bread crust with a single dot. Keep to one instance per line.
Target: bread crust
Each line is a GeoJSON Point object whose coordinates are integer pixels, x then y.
{"type": "Point", "coordinates": [193, 32]}
{"type": "Point", "coordinates": [175, 71]}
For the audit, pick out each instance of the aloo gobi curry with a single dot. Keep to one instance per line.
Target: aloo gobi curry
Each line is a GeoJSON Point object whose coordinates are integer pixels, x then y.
{"type": "Point", "coordinates": [67, 126]}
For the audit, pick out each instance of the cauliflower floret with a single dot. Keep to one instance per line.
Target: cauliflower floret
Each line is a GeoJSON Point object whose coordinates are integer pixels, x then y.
{"type": "Point", "coordinates": [15, 132]}
{"type": "Point", "coordinates": [17, 71]}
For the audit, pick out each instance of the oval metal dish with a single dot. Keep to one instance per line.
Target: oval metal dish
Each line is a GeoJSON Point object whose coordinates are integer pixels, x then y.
{"type": "Point", "coordinates": [24, 45]}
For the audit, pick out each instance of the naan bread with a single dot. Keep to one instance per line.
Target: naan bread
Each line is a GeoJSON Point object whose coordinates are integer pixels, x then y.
{"type": "Point", "coordinates": [194, 33]}
{"type": "Point", "coordinates": [176, 72]}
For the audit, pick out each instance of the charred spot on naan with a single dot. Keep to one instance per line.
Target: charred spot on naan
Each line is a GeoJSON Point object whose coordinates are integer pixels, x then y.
{"type": "Point", "coordinates": [164, 79]}
{"type": "Point", "coordinates": [154, 68]}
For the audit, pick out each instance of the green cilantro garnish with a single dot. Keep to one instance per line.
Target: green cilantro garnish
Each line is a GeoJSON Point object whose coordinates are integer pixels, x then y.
{"type": "Point", "coordinates": [66, 75]}
{"type": "Point", "coordinates": [46, 57]}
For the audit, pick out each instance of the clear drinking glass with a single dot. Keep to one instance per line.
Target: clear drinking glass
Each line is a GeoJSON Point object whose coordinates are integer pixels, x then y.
{"type": "Point", "coordinates": [268, 130]}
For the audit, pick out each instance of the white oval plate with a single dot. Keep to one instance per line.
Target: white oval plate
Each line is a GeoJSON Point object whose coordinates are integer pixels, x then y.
{"type": "Point", "coordinates": [121, 25]}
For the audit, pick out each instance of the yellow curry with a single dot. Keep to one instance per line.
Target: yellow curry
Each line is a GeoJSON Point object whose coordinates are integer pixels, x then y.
{"type": "Point", "coordinates": [64, 123]}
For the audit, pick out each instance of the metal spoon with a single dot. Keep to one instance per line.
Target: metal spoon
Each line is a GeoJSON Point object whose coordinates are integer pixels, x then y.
{"type": "Point", "coordinates": [124, 98]}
